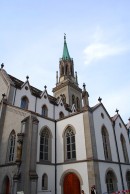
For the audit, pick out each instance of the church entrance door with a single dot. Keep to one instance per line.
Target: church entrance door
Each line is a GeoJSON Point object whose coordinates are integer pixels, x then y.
{"type": "Point", "coordinates": [6, 186]}
{"type": "Point", "coordinates": [71, 184]}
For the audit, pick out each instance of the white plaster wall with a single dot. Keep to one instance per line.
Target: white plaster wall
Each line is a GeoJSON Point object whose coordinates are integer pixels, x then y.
{"type": "Point", "coordinates": [3, 86]}
{"type": "Point", "coordinates": [13, 120]}
{"type": "Point", "coordinates": [45, 101]}
{"type": "Point", "coordinates": [125, 169]}
{"type": "Point", "coordinates": [23, 92]}
{"type": "Point", "coordinates": [50, 171]}
{"type": "Point", "coordinates": [58, 109]}
{"type": "Point", "coordinates": [98, 123]}
{"type": "Point", "coordinates": [77, 168]}
{"type": "Point", "coordinates": [77, 122]}
{"type": "Point", "coordinates": [121, 130]}
{"type": "Point", "coordinates": [103, 168]}
{"type": "Point", "coordinates": [51, 125]}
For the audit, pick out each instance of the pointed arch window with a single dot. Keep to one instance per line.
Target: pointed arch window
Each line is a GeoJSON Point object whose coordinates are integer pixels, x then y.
{"type": "Point", "coordinates": [70, 147]}
{"type": "Point", "coordinates": [106, 144]}
{"type": "Point", "coordinates": [44, 182]}
{"type": "Point", "coordinates": [67, 69]}
{"type": "Point", "coordinates": [73, 99]}
{"type": "Point", "coordinates": [24, 102]}
{"type": "Point", "coordinates": [77, 103]}
{"type": "Point", "coordinates": [11, 147]}
{"type": "Point", "coordinates": [61, 115]}
{"type": "Point", "coordinates": [62, 70]}
{"type": "Point", "coordinates": [45, 145]}
{"type": "Point", "coordinates": [124, 149]}
{"type": "Point", "coordinates": [6, 185]}
{"type": "Point", "coordinates": [111, 182]}
{"type": "Point", "coordinates": [44, 111]}
{"type": "Point", "coordinates": [128, 179]}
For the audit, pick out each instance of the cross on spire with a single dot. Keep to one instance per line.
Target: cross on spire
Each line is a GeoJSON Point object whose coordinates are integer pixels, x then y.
{"type": "Point", "coordinates": [64, 37]}
{"type": "Point", "coordinates": [27, 77]}
{"type": "Point", "coordinates": [117, 111]}
{"type": "Point", "coordinates": [84, 86]}
{"type": "Point", "coordinates": [2, 65]}
{"type": "Point", "coordinates": [100, 99]}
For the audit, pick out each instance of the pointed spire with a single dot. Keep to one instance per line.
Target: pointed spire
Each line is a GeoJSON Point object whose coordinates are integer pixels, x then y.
{"type": "Point", "coordinates": [65, 55]}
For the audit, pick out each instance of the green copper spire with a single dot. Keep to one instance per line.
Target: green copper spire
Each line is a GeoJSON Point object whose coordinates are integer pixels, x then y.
{"type": "Point", "coordinates": [65, 55]}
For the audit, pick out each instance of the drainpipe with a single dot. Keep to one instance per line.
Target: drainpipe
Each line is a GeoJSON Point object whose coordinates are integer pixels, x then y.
{"type": "Point", "coordinates": [118, 156]}
{"type": "Point", "coordinates": [55, 160]}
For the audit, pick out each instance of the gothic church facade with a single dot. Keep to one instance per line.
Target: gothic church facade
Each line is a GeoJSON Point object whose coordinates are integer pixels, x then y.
{"type": "Point", "coordinates": [59, 144]}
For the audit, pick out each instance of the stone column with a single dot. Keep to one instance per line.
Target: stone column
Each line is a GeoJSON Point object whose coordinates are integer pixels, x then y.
{"type": "Point", "coordinates": [33, 156]}
{"type": "Point", "coordinates": [91, 152]}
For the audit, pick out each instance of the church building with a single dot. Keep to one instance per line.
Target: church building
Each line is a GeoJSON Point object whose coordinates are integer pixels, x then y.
{"type": "Point", "coordinates": [59, 144]}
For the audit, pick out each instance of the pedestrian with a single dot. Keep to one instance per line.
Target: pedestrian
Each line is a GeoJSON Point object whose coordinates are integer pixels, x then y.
{"type": "Point", "coordinates": [82, 192]}
{"type": "Point", "coordinates": [93, 190]}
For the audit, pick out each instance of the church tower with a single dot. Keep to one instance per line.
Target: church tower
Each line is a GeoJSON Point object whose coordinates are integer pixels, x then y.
{"type": "Point", "coordinates": [67, 83]}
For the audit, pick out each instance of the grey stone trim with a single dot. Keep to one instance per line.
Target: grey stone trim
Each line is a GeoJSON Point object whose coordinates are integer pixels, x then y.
{"type": "Point", "coordinates": [81, 161]}
{"type": "Point", "coordinates": [2, 120]}
{"type": "Point", "coordinates": [66, 83]}
{"type": "Point", "coordinates": [91, 151]}
{"type": "Point", "coordinates": [8, 164]}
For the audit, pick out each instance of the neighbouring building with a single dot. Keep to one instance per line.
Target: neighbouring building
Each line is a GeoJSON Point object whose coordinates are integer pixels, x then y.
{"type": "Point", "coordinates": [59, 144]}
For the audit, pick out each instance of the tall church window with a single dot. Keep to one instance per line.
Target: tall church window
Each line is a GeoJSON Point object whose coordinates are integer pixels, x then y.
{"type": "Point", "coordinates": [61, 115]}
{"type": "Point", "coordinates": [44, 111]}
{"type": "Point", "coordinates": [124, 149]}
{"type": "Point", "coordinates": [111, 182]}
{"type": "Point", "coordinates": [128, 179]}
{"type": "Point", "coordinates": [106, 144]}
{"type": "Point", "coordinates": [77, 103]}
{"type": "Point", "coordinates": [45, 145]}
{"type": "Point", "coordinates": [44, 182]}
{"type": "Point", "coordinates": [24, 102]}
{"type": "Point", "coordinates": [70, 147]}
{"type": "Point", "coordinates": [11, 147]}
{"type": "Point", "coordinates": [62, 70]}
{"type": "Point", "coordinates": [73, 99]}
{"type": "Point", "coordinates": [67, 70]}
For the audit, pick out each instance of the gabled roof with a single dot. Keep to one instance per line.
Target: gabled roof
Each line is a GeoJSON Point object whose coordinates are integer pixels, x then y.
{"type": "Point", "coordinates": [36, 92]}
{"type": "Point", "coordinates": [18, 84]}
{"type": "Point", "coordinates": [114, 117]}
{"type": "Point", "coordinates": [98, 105]}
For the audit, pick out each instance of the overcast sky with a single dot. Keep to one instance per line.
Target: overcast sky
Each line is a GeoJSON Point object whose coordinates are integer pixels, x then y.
{"type": "Point", "coordinates": [98, 38]}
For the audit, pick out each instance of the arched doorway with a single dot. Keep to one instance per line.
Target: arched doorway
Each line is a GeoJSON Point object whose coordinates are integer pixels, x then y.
{"type": "Point", "coordinates": [71, 184]}
{"type": "Point", "coordinates": [6, 185]}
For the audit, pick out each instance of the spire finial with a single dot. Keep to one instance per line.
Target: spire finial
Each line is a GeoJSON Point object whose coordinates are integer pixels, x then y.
{"type": "Point", "coordinates": [84, 86]}
{"type": "Point", "coordinates": [45, 87]}
{"type": "Point", "coordinates": [64, 37]}
{"type": "Point", "coordinates": [2, 65]}
{"type": "Point", "coordinates": [27, 77]}
{"type": "Point", "coordinates": [117, 111]}
{"type": "Point", "coordinates": [100, 99]}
